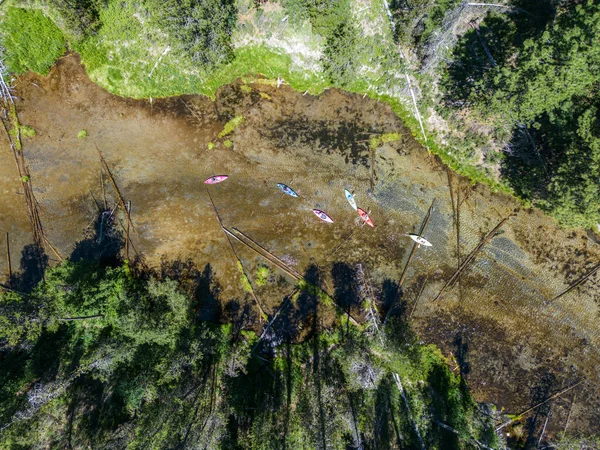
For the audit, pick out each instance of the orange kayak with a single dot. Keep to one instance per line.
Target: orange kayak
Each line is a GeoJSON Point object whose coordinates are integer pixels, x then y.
{"type": "Point", "coordinates": [364, 216]}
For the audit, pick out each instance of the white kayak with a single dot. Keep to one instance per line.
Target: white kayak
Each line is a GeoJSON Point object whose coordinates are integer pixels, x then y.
{"type": "Point", "coordinates": [420, 240]}
{"type": "Point", "coordinates": [350, 199]}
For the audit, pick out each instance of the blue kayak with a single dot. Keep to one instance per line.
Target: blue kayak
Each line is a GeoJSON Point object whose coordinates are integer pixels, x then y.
{"type": "Point", "coordinates": [287, 190]}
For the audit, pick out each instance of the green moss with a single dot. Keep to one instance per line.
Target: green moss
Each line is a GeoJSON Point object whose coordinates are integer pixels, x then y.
{"type": "Point", "coordinates": [27, 131]}
{"type": "Point", "coordinates": [228, 143]}
{"type": "Point", "coordinates": [32, 41]}
{"type": "Point", "coordinates": [82, 134]}
{"type": "Point", "coordinates": [210, 145]}
{"type": "Point", "coordinates": [246, 89]}
{"type": "Point", "coordinates": [262, 275]}
{"type": "Point", "coordinates": [244, 279]}
{"type": "Point", "coordinates": [374, 143]}
{"type": "Point", "coordinates": [390, 137]}
{"type": "Point", "coordinates": [231, 125]}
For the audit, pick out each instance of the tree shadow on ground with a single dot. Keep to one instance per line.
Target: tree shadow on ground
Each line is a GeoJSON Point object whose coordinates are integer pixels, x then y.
{"type": "Point", "coordinates": [443, 407]}
{"type": "Point", "coordinates": [390, 424]}
{"type": "Point", "coordinates": [502, 35]}
{"type": "Point", "coordinates": [200, 285]}
{"type": "Point", "coordinates": [524, 164]}
{"type": "Point", "coordinates": [294, 321]}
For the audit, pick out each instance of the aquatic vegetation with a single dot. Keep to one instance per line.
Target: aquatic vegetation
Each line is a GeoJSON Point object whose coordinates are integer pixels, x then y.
{"type": "Point", "coordinates": [246, 285]}
{"type": "Point", "coordinates": [262, 275]}
{"type": "Point", "coordinates": [27, 131]}
{"type": "Point", "coordinates": [231, 125]}
{"type": "Point", "coordinates": [376, 141]}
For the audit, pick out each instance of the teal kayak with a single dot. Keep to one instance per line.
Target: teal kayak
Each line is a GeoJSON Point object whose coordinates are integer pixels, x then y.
{"type": "Point", "coordinates": [350, 199]}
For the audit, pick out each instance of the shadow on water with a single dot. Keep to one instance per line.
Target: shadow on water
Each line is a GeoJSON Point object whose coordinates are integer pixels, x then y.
{"type": "Point", "coordinates": [346, 138]}
{"type": "Point", "coordinates": [103, 242]}
{"type": "Point", "coordinates": [391, 299]}
{"type": "Point", "coordinates": [346, 287]}
{"type": "Point", "coordinates": [295, 313]}
{"type": "Point", "coordinates": [462, 348]}
{"type": "Point", "coordinates": [34, 262]}
{"type": "Point", "coordinates": [539, 393]}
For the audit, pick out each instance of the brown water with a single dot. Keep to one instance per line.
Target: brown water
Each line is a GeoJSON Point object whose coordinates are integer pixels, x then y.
{"type": "Point", "coordinates": [499, 322]}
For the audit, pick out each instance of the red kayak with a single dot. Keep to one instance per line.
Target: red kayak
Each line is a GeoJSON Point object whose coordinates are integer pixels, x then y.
{"type": "Point", "coordinates": [216, 179]}
{"type": "Point", "coordinates": [364, 216]}
{"type": "Point", "coordinates": [321, 215]}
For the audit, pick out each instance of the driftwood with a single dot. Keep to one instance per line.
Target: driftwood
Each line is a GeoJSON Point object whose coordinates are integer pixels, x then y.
{"type": "Point", "coordinates": [116, 188]}
{"type": "Point", "coordinates": [8, 261]}
{"type": "Point", "coordinates": [569, 415]}
{"type": "Point", "coordinates": [470, 258]}
{"type": "Point", "coordinates": [291, 272]}
{"type": "Point", "coordinates": [240, 266]}
{"type": "Point", "coordinates": [452, 430]}
{"type": "Point", "coordinates": [417, 299]}
{"type": "Point", "coordinates": [267, 252]}
{"type": "Point", "coordinates": [10, 122]}
{"type": "Point", "coordinates": [582, 280]}
{"type": "Point", "coordinates": [127, 232]}
{"type": "Point", "coordinates": [537, 405]}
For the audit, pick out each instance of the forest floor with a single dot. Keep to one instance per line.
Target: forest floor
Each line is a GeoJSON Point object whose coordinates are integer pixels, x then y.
{"type": "Point", "coordinates": [510, 340]}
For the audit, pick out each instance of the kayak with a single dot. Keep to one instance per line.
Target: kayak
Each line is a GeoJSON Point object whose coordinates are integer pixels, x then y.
{"type": "Point", "coordinates": [350, 199]}
{"type": "Point", "coordinates": [420, 240]}
{"type": "Point", "coordinates": [287, 190]}
{"type": "Point", "coordinates": [364, 216]}
{"type": "Point", "coordinates": [216, 179]}
{"type": "Point", "coordinates": [321, 215]}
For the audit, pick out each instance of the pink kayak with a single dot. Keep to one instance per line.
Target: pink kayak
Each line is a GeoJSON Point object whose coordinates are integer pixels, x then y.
{"type": "Point", "coordinates": [364, 216]}
{"type": "Point", "coordinates": [216, 179]}
{"type": "Point", "coordinates": [321, 215]}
